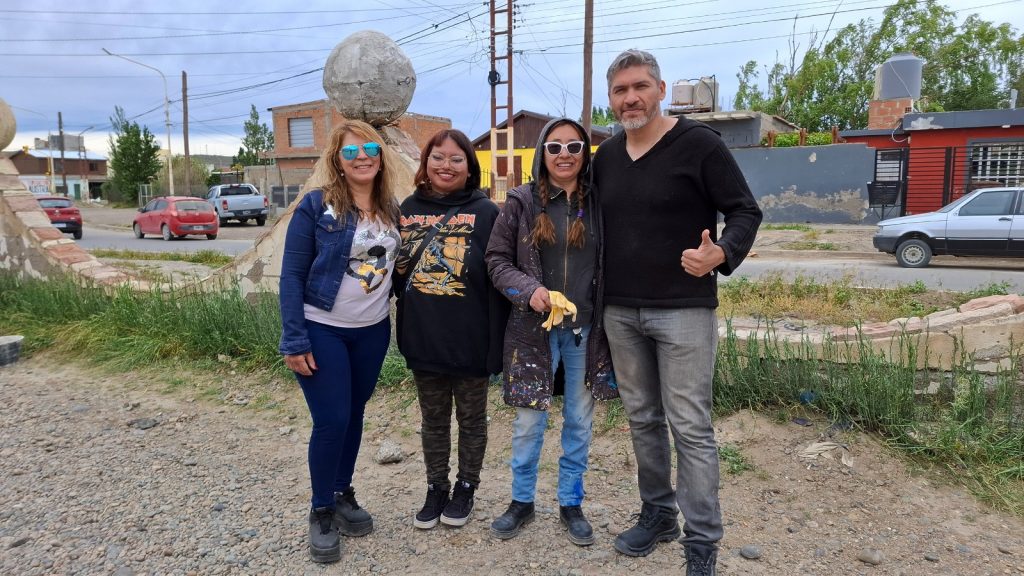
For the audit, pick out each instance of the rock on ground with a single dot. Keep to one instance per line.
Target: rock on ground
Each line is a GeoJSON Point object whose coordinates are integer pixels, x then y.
{"type": "Point", "coordinates": [218, 489]}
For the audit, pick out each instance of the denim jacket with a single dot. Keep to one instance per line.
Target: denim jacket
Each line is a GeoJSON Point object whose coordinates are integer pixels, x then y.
{"type": "Point", "coordinates": [316, 250]}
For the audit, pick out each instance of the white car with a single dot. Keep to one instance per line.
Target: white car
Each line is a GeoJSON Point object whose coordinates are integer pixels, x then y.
{"type": "Point", "coordinates": [986, 222]}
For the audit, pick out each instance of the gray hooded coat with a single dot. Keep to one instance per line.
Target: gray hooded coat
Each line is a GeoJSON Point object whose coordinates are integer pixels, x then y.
{"type": "Point", "coordinates": [514, 265]}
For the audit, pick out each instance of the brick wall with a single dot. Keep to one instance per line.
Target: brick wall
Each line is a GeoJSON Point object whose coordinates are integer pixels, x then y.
{"type": "Point", "coordinates": [886, 114]}
{"type": "Point", "coordinates": [32, 248]}
{"type": "Point", "coordinates": [419, 126]}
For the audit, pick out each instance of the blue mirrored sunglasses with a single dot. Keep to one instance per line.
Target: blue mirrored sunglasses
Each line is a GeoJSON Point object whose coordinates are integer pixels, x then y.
{"type": "Point", "coordinates": [351, 151]}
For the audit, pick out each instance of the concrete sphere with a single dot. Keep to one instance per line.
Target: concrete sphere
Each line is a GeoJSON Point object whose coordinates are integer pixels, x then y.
{"type": "Point", "coordinates": [368, 77]}
{"type": "Point", "coordinates": [8, 127]}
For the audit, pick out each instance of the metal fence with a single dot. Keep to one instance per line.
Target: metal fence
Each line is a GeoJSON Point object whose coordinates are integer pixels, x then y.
{"type": "Point", "coordinates": [917, 180]}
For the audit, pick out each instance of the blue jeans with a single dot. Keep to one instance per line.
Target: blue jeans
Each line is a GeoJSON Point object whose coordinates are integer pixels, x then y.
{"type": "Point", "coordinates": [348, 364]}
{"type": "Point", "coordinates": [664, 362]}
{"type": "Point", "coordinates": [578, 415]}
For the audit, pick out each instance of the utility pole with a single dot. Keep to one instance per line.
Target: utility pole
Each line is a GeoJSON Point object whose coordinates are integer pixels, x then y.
{"type": "Point", "coordinates": [82, 157]}
{"type": "Point", "coordinates": [500, 186]}
{"type": "Point", "coordinates": [588, 64]}
{"type": "Point", "coordinates": [167, 115]}
{"type": "Point", "coordinates": [63, 166]}
{"type": "Point", "coordinates": [184, 132]}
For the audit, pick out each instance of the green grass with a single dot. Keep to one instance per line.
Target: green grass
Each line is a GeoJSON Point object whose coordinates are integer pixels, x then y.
{"type": "Point", "coordinates": [973, 428]}
{"type": "Point", "coordinates": [837, 302]}
{"type": "Point", "coordinates": [797, 227]}
{"type": "Point", "coordinates": [733, 461]}
{"type": "Point", "coordinates": [809, 245]}
{"type": "Point", "coordinates": [207, 257]}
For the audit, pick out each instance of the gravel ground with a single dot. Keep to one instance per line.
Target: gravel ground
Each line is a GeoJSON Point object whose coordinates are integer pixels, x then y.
{"type": "Point", "coordinates": [113, 474]}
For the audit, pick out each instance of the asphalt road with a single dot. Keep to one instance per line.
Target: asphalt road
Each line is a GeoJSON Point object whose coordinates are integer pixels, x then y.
{"type": "Point", "coordinates": [94, 238]}
{"type": "Point", "coordinates": [880, 271]}
{"type": "Point", "coordinates": [874, 270]}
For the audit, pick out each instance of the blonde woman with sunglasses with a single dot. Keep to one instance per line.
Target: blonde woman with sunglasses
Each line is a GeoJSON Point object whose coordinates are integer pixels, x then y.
{"type": "Point", "coordinates": [548, 239]}
{"type": "Point", "coordinates": [336, 274]}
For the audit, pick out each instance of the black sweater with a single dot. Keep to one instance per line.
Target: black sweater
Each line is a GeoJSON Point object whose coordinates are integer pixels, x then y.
{"type": "Point", "coordinates": [450, 319]}
{"type": "Point", "coordinates": [657, 206]}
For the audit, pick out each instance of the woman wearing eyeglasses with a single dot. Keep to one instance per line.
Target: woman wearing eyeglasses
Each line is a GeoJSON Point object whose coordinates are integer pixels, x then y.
{"type": "Point", "coordinates": [336, 274]}
{"type": "Point", "coordinates": [548, 238]}
{"type": "Point", "coordinates": [450, 319]}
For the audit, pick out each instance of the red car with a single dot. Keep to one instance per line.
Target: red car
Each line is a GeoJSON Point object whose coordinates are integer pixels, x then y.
{"type": "Point", "coordinates": [63, 214]}
{"type": "Point", "coordinates": [176, 217]}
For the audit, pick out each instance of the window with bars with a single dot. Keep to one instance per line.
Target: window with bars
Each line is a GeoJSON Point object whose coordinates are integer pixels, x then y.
{"type": "Point", "coordinates": [888, 165]}
{"type": "Point", "coordinates": [1001, 162]}
{"type": "Point", "coordinates": [300, 132]}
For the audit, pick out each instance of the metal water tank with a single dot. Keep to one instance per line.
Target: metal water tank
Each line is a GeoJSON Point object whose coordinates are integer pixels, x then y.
{"type": "Point", "coordinates": [705, 93]}
{"type": "Point", "coordinates": [899, 77]}
{"type": "Point", "coordinates": [682, 93]}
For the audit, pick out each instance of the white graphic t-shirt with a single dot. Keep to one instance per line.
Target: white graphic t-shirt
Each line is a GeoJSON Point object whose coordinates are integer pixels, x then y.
{"type": "Point", "coordinates": [363, 297]}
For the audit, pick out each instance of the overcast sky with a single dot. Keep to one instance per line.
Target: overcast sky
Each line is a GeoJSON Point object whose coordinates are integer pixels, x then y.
{"type": "Point", "coordinates": [52, 59]}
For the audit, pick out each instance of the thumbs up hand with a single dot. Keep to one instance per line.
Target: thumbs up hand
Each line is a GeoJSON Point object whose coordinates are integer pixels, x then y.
{"type": "Point", "coordinates": [703, 259]}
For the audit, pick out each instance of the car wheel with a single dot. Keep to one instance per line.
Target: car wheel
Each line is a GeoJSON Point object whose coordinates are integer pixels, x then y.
{"type": "Point", "coordinates": [913, 253]}
{"type": "Point", "coordinates": [138, 230]}
{"type": "Point", "coordinates": [165, 231]}
{"type": "Point", "coordinates": [223, 221]}
{"type": "Point", "coordinates": [77, 234]}
{"type": "Point", "coordinates": [211, 236]}
{"type": "Point", "coordinates": [261, 220]}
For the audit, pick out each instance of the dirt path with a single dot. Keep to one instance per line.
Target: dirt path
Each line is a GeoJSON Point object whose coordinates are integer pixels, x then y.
{"type": "Point", "coordinates": [106, 474]}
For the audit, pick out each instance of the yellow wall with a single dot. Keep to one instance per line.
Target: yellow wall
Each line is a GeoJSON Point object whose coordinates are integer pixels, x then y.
{"type": "Point", "coordinates": [527, 155]}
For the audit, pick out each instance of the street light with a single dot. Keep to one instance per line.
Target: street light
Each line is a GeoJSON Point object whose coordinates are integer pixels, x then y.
{"type": "Point", "coordinates": [167, 115]}
{"type": "Point", "coordinates": [81, 161]}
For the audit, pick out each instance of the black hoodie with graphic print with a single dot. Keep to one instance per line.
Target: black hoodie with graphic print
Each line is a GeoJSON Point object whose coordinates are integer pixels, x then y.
{"type": "Point", "coordinates": [450, 318]}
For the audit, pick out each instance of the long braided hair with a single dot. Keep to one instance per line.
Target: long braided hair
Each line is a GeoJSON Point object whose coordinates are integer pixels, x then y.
{"type": "Point", "coordinates": [543, 228]}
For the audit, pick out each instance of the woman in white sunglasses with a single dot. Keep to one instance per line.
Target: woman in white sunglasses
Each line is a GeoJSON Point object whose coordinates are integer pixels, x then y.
{"type": "Point", "coordinates": [336, 272]}
{"type": "Point", "coordinates": [548, 238]}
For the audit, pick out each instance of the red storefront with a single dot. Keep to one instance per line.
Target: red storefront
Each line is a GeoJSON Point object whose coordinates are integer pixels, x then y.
{"type": "Point", "coordinates": [930, 159]}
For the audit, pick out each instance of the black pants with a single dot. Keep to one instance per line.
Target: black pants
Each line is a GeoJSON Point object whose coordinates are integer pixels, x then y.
{"type": "Point", "coordinates": [435, 393]}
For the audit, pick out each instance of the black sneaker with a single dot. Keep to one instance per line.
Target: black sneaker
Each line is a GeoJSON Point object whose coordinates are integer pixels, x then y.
{"type": "Point", "coordinates": [701, 559]}
{"type": "Point", "coordinates": [324, 542]}
{"type": "Point", "coordinates": [349, 517]}
{"type": "Point", "coordinates": [457, 512]}
{"type": "Point", "coordinates": [580, 532]}
{"type": "Point", "coordinates": [507, 525]}
{"type": "Point", "coordinates": [654, 524]}
{"type": "Point", "coordinates": [437, 499]}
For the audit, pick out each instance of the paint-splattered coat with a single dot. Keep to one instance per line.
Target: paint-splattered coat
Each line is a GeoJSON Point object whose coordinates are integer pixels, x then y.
{"type": "Point", "coordinates": [515, 269]}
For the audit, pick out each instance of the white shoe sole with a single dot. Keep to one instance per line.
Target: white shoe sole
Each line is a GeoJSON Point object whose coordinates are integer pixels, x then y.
{"type": "Point", "coordinates": [454, 521]}
{"type": "Point", "coordinates": [424, 525]}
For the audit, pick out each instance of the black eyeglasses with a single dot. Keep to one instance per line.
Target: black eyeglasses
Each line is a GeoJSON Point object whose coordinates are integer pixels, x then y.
{"type": "Point", "coordinates": [555, 148]}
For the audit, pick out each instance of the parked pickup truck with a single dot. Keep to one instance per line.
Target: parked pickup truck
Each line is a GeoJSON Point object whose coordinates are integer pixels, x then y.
{"type": "Point", "coordinates": [240, 202]}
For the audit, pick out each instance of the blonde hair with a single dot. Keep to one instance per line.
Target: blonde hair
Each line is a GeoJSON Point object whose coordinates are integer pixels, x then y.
{"type": "Point", "coordinates": [328, 176]}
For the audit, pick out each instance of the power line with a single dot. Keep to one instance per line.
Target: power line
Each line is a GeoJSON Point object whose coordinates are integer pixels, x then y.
{"type": "Point", "coordinates": [216, 13]}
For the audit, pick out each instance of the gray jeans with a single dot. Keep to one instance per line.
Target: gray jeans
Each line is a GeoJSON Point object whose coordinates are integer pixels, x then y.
{"type": "Point", "coordinates": [664, 362]}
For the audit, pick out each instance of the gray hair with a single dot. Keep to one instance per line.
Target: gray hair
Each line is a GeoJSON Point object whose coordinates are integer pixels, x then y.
{"type": "Point", "coordinates": [634, 57]}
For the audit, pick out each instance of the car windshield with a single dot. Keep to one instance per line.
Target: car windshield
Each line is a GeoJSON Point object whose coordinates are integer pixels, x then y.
{"type": "Point", "coordinates": [236, 191]}
{"type": "Point", "coordinates": [194, 205]}
{"type": "Point", "coordinates": [55, 203]}
{"type": "Point", "coordinates": [955, 204]}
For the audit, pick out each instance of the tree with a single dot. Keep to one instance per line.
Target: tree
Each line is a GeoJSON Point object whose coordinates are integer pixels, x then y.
{"type": "Point", "coordinates": [258, 140]}
{"type": "Point", "coordinates": [968, 67]}
{"type": "Point", "coordinates": [199, 175]}
{"type": "Point", "coordinates": [602, 116]}
{"type": "Point", "coordinates": [134, 155]}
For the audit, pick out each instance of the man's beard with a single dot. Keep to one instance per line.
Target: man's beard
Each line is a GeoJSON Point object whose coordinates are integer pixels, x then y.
{"type": "Point", "coordinates": [638, 123]}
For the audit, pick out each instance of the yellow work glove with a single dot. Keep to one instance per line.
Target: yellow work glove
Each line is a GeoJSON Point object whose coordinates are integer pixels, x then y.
{"type": "Point", "coordinates": [560, 308]}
